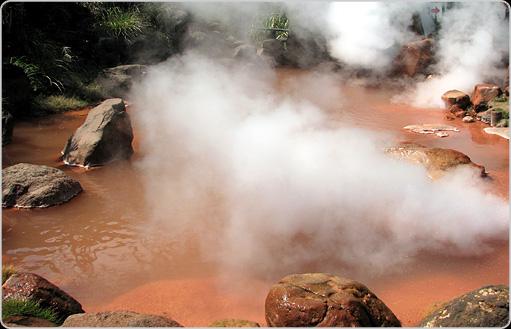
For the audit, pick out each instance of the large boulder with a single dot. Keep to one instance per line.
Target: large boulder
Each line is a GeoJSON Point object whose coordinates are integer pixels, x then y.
{"type": "Point", "coordinates": [30, 286]}
{"type": "Point", "coordinates": [437, 161]}
{"type": "Point", "coordinates": [105, 136]}
{"type": "Point", "coordinates": [118, 319]}
{"type": "Point", "coordinates": [415, 57]}
{"type": "Point", "coordinates": [7, 127]}
{"type": "Point", "coordinates": [234, 323]}
{"type": "Point", "coordinates": [456, 97]}
{"type": "Point", "coordinates": [305, 49]}
{"type": "Point", "coordinates": [26, 185]}
{"type": "Point", "coordinates": [484, 307]}
{"type": "Point", "coordinates": [117, 81]}
{"type": "Point", "coordinates": [325, 300]}
{"type": "Point", "coordinates": [484, 93]}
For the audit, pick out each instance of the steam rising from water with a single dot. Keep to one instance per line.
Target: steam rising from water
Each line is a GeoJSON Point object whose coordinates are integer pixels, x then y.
{"type": "Point", "coordinates": [269, 184]}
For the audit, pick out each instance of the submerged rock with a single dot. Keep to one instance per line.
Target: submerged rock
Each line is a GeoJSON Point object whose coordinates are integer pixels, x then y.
{"type": "Point", "coordinates": [484, 307]}
{"type": "Point", "coordinates": [105, 136]}
{"type": "Point", "coordinates": [468, 119]}
{"type": "Point", "coordinates": [456, 97]}
{"type": "Point", "coordinates": [325, 300]}
{"type": "Point", "coordinates": [437, 161]}
{"type": "Point", "coordinates": [118, 319]}
{"type": "Point", "coordinates": [34, 287]}
{"type": "Point", "coordinates": [234, 323]}
{"type": "Point", "coordinates": [33, 186]}
{"type": "Point", "coordinates": [483, 93]}
{"type": "Point", "coordinates": [430, 128]}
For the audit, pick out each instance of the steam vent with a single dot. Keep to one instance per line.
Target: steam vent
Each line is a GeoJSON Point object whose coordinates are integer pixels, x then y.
{"type": "Point", "coordinates": [255, 164]}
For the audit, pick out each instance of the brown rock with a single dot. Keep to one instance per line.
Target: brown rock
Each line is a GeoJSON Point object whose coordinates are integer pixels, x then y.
{"type": "Point", "coordinates": [32, 286]}
{"type": "Point", "coordinates": [118, 319]}
{"type": "Point", "coordinates": [26, 185]}
{"type": "Point", "coordinates": [325, 300]}
{"type": "Point", "coordinates": [105, 136]}
{"type": "Point", "coordinates": [460, 114]}
{"type": "Point", "coordinates": [234, 323]}
{"type": "Point", "coordinates": [456, 97]}
{"type": "Point", "coordinates": [27, 321]}
{"type": "Point", "coordinates": [437, 161]}
{"type": "Point", "coordinates": [483, 93]}
{"type": "Point", "coordinates": [450, 116]}
{"type": "Point", "coordinates": [415, 57]}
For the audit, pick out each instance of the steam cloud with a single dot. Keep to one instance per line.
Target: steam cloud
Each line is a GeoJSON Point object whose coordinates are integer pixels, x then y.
{"type": "Point", "coordinates": [267, 182]}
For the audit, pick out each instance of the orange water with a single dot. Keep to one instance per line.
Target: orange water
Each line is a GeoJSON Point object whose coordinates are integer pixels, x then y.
{"type": "Point", "coordinates": [97, 247]}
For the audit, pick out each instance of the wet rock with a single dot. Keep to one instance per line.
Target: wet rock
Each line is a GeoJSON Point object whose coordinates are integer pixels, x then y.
{"type": "Point", "coordinates": [305, 49]}
{"type": "Point", "coordinates": [484, 307]}
{"type": "Point", "coordinates": [450, 117]}
{"type": "Point", "coordinates": [118, 319]}
{"type": "Point", "coordinates": [7, 127]}
{"type": "Point", "coordinates": [483, 93]}
{"type": "Point", "coordinates": [430, 128]}
{"type": "Point", "coordinates": [27, 321]}
{"type": "Point", "coordinates": [442, 134]}
{"type": "Point", "coordinates": [26, 185]}
{"type": "Point", "coordinates": [468, 119]}
{"type": "Point", "coordinates": [502, 132]}
{"type": "Point", "coordinates": [244, 52]}
{"type": "Point", "coordinates": [273, 49]}
{"type": "Point", "coordinates": [105, 136]}
{"type": "Point", "coordinates": [415, 57]}
{"type": "Point", "coordinates": [456, 97]}
{"type": "Point", "coordinates": [117, 81]}
{"type": "Point", "coordinates": [325, 300]}
{"type": "Point", "coordinates": [234, 323]}
{"type": "Point", "coordinates": [32, 286]}
{"type": "Point", "coordinates": [437, 161]}
{"type": "Point", "coordinates": [484, 116]}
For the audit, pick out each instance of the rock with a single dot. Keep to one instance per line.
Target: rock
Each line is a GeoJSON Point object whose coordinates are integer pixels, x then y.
{"type": "Point", "coordinates": [456, 97]}
{"type": "Point", "coordinates": [274, 49]}
{"type": "Point", "coordinates": [437, 161]}
{"type": "Point", "coordinates": [105, 136]}
{"type": "Point", "coordinates": [485, 116]}
{"type": "Point", "coordinates": [34, 287]}
{"type": "Point", "coordinates": [325, 300]}
{"type": "Point", "coordinates": [118, 319]}
{"type": "Point", "coordinates": [455, 108]}
{"type": "Point", "coordinates": [305, 49]}
{"type": "Point", "coordinates": [117, 81]}
{"type": "Point", "coordinates": [484, 307]}
{"type": "Point", "coordinates": [27, 321]}
{"type": "Point", "coordinates": [7, 127]}
{"type": "Point", "coordinates": [26, 185]}
{"type": "Point", "coordinates": [450, 117]}
{"type": "Point", "coordinates": [442, 134]}
{"type": "Point", "coordinates": [415, 57]}
{"type": "Point", "coordinates": [483, 93]}
{"type": "Point", "coordinates": [430, 128]}
{"type": "Point", "coordinates": [502, 132]}
{"type": "Point", "coordinates": [234, 323]}
{"type": "Point", "coordinates": [468, 119]}
{"type": "Point", "coordinates": [245, 52]}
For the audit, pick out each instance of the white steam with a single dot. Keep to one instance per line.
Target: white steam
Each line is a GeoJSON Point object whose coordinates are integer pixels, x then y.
{"type": "Point", "coordinates": [472, 43]}
{"type": "Point", "coordinates": [368, 34]}
{"type": "Point", "coordinates": [268, 184]}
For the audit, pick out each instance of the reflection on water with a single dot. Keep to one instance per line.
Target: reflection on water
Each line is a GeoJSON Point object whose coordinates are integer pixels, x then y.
{"type": "Point", "coordinates": [105, 250]}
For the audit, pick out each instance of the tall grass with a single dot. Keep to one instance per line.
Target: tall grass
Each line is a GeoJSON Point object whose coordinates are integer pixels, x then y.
{"type": "Point", "coordinates": [12, 307]}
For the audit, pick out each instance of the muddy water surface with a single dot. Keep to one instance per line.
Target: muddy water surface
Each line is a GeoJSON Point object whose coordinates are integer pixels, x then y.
{"type": "Point", "coordinates": [103, 249]}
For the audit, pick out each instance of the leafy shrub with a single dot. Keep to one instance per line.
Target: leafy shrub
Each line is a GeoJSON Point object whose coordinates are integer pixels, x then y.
{"type": "Point", "coordinates": [11, 307]}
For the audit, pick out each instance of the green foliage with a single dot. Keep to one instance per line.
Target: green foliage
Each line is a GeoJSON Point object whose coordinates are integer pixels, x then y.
{"type": "Point", "coordinates": [13, 306]}
{"type": "Point", "coordinates": [501, 98]}
{"type": "Point", "coordinates": [273, 24]}
{"type": "Point", "coordinates": [120, 22]}
{"type": "Point", "coordinates": [58, 103]}
{"type": "Point", "coordinates": [39, 80]}
{"type": "Point", "coordinates": [7, 270]}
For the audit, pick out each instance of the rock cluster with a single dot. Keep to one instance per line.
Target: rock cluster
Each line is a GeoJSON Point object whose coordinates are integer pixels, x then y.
{"type": "Point", "coordinates": [26, 185]}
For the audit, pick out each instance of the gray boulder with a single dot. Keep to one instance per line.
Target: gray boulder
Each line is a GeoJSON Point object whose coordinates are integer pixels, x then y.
{"type": "Point", "coordinates": [484, 307]}
{"type": "Point", "coordinates": [118, 319]}
{"type": "Point", "coordinates": [31, 286]}
{"type": "Point", "coordinates": [117, 81]}
{"type": "Point", "coordinates": [105, 136]}
{"type": "Point", "coordinates": [26, 185]}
